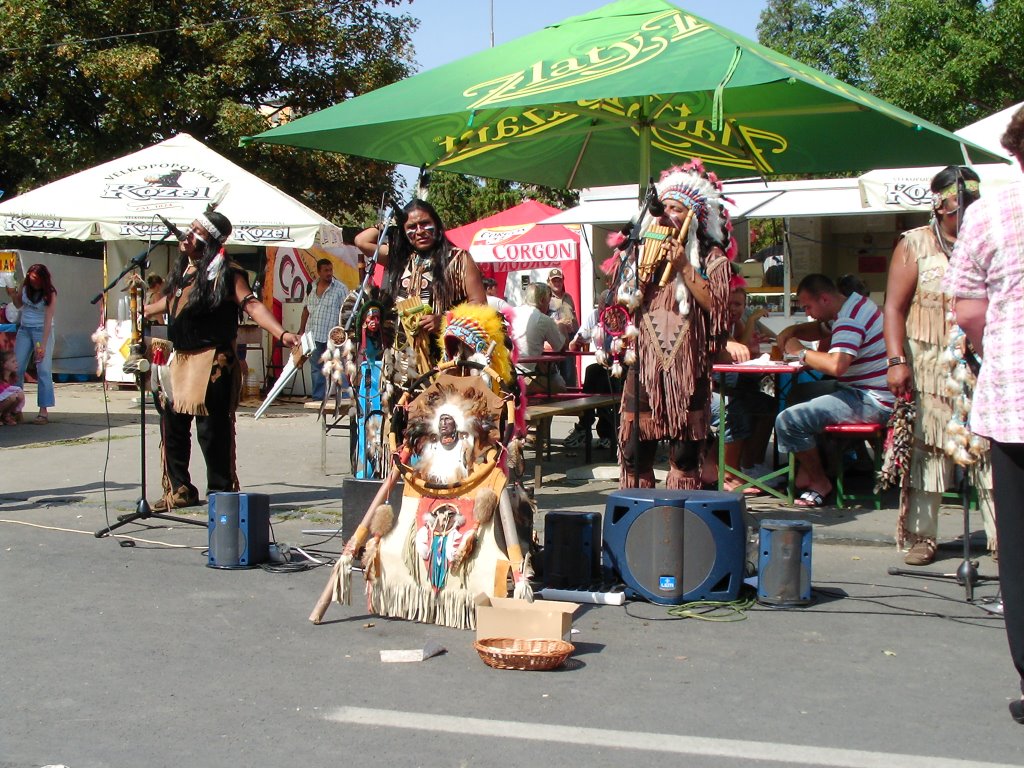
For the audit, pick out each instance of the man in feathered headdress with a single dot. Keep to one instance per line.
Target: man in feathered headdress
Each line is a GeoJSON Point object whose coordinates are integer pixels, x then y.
{"type": "Point", "coordinates": [202, 297]}
{"type": "Point", "coordinates": [677, 282]}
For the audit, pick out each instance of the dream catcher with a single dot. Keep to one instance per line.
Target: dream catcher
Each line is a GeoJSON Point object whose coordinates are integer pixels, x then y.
{"type": "Point", "coordinates": [615, 339]}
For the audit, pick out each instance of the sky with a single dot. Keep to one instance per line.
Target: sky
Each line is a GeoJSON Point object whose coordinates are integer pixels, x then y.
{"type": "Point", "coordinates": [452, 29]}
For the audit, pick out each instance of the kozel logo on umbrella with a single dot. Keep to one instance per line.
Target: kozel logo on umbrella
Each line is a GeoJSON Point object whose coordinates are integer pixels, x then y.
{"type": "Point", "coordinates": [159, 182]}
{"type": "Point", "coordinates": [32, 225]}
{"type": "Point", "coordinates": [916, 193]}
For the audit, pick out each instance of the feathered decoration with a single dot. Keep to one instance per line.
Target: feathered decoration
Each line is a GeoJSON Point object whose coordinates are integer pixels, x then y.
{"type": "Point", "coordinates": [899, 444]}
{"type": "Point", "coordinates": [469, 330]}
{"type": "Point", "coordinates": [216, 267]}
{"type": "Point", "coordinates": [484, 506]}
{"type": "Point", "coordinates": [99, 340]}
{"type": "Point", "coordinates": [961, 444]}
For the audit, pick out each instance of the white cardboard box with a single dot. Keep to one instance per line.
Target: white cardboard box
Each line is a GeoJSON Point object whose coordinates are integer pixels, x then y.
{"type": "Point", "coordinates": [508, 617]}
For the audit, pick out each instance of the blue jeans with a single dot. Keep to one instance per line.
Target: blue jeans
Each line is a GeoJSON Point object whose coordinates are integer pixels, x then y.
{"type": "Point", "coordinates": [24, 351]}
{"type": "Point", "coordinates": [798, 426]}
{"type": "Point", "coordinates": [316, 375]}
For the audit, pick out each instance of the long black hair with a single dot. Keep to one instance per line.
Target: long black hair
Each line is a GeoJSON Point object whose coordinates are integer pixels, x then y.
{"type": "Point", "coordinates": [400, 250]}
{"type": "Point", "coordinates": [46, 291]}
{"type": "Point", "coordinates": [207, 293]}
{"type": "Point", "coordinates": [954, 174]}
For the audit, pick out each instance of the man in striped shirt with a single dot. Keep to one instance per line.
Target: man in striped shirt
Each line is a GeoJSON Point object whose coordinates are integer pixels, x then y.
{"type": "Point", "coordinates": [855, 357]}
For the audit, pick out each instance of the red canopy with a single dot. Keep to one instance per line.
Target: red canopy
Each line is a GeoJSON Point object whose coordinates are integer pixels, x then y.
{"type": "Point", "coordinates": [513, 240]}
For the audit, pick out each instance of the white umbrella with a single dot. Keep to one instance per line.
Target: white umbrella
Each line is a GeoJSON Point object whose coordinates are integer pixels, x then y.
{"type": "Point", "coordinates": [910, 188]}
{"type": "Point", "coordinates": [177, 179]}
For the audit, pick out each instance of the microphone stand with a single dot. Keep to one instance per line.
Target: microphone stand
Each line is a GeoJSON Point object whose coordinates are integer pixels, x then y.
{"type": "Point", "coordinates": [139, 365]}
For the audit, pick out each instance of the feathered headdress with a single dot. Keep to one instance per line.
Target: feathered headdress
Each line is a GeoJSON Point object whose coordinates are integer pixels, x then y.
{"type": "Point", "coordinates": [480, 329]}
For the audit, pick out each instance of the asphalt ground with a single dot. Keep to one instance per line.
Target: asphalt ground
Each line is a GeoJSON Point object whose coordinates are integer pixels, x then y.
{"type": "Point", "coordinates": [126, 650]}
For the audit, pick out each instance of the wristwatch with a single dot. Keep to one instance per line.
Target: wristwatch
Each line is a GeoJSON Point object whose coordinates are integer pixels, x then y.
{"type": "Point", "coordinates": [802, 356]}
{"type": "Point", "coordinates": [897, 361]}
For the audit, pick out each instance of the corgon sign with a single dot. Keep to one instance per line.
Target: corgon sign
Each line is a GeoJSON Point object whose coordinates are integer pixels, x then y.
{"type": "Point", "coordinates": [560, 250]}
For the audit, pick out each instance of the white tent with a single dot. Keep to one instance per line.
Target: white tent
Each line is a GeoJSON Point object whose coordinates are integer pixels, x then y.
{"type": "Point", "coordinates": [118, 203]}
{"type": "Point", "coordinates": [909, 189]}
{"type": "Point", "coordinates": [177, 178]}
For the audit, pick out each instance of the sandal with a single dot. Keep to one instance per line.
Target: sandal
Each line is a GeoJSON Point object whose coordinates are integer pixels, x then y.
{"type": "Point", "coordinates": [40, 420]}
{"type": "Point", "coordinates": [810, 499]}
{"type": "Point", "coordinates": [10, 420]}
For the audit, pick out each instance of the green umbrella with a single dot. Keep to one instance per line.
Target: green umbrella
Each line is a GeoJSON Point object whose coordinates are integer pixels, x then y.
{"type": "Point", "coordinates": [603, 97]}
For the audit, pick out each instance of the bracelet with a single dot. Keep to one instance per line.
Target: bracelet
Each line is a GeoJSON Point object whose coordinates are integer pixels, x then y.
{"type": "Point", "coordinates": [894, 361]}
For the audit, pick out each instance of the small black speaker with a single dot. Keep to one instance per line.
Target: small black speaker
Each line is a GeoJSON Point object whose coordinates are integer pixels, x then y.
{"type": "Point", "coordinates": [784, 563]}
{"type": "Point", "coordinates": [356, 496]}
{"type": "Point", "coordinates": [239, 530]}
{"type": "Point", "coordinates": [572, 549]}
{"type": "Point", "coordinates": [674, 546]}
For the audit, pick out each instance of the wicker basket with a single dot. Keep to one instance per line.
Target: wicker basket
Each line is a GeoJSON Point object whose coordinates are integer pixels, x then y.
{"type": "Point", "coordinates": [508, 653]}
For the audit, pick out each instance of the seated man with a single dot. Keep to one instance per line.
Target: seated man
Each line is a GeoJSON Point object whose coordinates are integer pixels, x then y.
{"type": "Point", "coordinates": [531, 329]}
{"type": "Point", "coordinates": [856, 358]}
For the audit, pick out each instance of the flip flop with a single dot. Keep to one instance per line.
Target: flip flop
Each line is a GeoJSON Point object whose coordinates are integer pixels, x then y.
{"type": "Point", "coordinates": [810, 499]}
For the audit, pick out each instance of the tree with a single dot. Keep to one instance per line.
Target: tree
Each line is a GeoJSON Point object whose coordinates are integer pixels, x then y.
{"type": "Point", "coordinates": [461, 199]}
{"type": "Point", "coordinates": [950, 61]}
{"type": "Point", "coordinates": [85, 82]}
{"type": "Point", "coordinates": [826, 34]}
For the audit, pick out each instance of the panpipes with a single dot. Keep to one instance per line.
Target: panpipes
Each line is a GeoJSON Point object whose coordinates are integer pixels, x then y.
{"type": "Point", "coordinates": [657, 239]}
{"type": "Point", "coordinates": [409, 311]}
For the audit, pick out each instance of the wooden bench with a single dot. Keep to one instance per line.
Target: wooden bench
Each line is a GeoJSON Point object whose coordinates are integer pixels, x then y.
{"type": "Point", "coordinates": [540, 412]}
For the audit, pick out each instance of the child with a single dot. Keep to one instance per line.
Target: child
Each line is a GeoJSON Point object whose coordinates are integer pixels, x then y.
{"type": "Point", "coordinates": [12, 397]}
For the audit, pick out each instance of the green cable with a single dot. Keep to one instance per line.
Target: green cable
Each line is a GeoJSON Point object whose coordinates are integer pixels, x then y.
{"type": "Point", "coordinates": [713, 610]}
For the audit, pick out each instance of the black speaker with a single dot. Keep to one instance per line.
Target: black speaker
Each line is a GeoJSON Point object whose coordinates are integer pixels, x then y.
{"type": "Point", "coordinates": [572, 549]}
{"type": "Point", "coordinates": [239, 530]}
{"type": "Point", "coordinates": [673, 546]}
{"type": "Point", "coordinates": [356, 496]}
{"type": "Point", "coordinates": [784, 563]}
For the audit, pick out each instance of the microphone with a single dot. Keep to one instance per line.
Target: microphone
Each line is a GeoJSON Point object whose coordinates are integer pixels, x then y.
{"type": "Point", "coordinates": [172, 229]}
{"type": "Point", "coordinates": [655, 207]}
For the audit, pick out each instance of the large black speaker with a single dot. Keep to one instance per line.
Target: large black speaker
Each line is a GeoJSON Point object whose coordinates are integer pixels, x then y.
{"type": "Point", "coordinates": [572, 549]}
{"type": "Point", "coordinates": [356, 496]}
{"type": "Point", "coordinates": [239, 530]}
{"type": "Point", "coordinates": [671, 546]}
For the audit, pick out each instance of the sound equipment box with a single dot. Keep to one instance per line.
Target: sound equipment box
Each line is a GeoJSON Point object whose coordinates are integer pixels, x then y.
{"type": "Point", "coordinates": [572, 549]}
{"type": "Point", "coordinates": [784, 563]}
{"type": "Point", "coordinates": [675, 546]}
{"type": "Point", "coordinates": [239, 530]}
{"type": "Point", "coordinates": [356, 496]}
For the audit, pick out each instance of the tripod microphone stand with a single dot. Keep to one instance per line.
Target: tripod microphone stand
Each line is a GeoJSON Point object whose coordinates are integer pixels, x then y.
{"type": "Point", "coordinates": [139, 365]}
{"type": "Point", "coordinates": [966, 574]}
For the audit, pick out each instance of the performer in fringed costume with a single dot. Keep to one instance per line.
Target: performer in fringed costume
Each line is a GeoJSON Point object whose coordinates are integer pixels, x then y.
{"type": "Point", "coordinates": [677, 282]}
{"type": "Point", "coordinates": [918, 328]}
{"type": "Point", "coordinates": [203, 298]}
{"type": "Point", "coordinates": [425, 276]}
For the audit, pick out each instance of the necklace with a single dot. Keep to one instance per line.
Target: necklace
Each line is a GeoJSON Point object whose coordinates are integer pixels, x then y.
{"type": "Point", "coordinates": [944, 244]}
